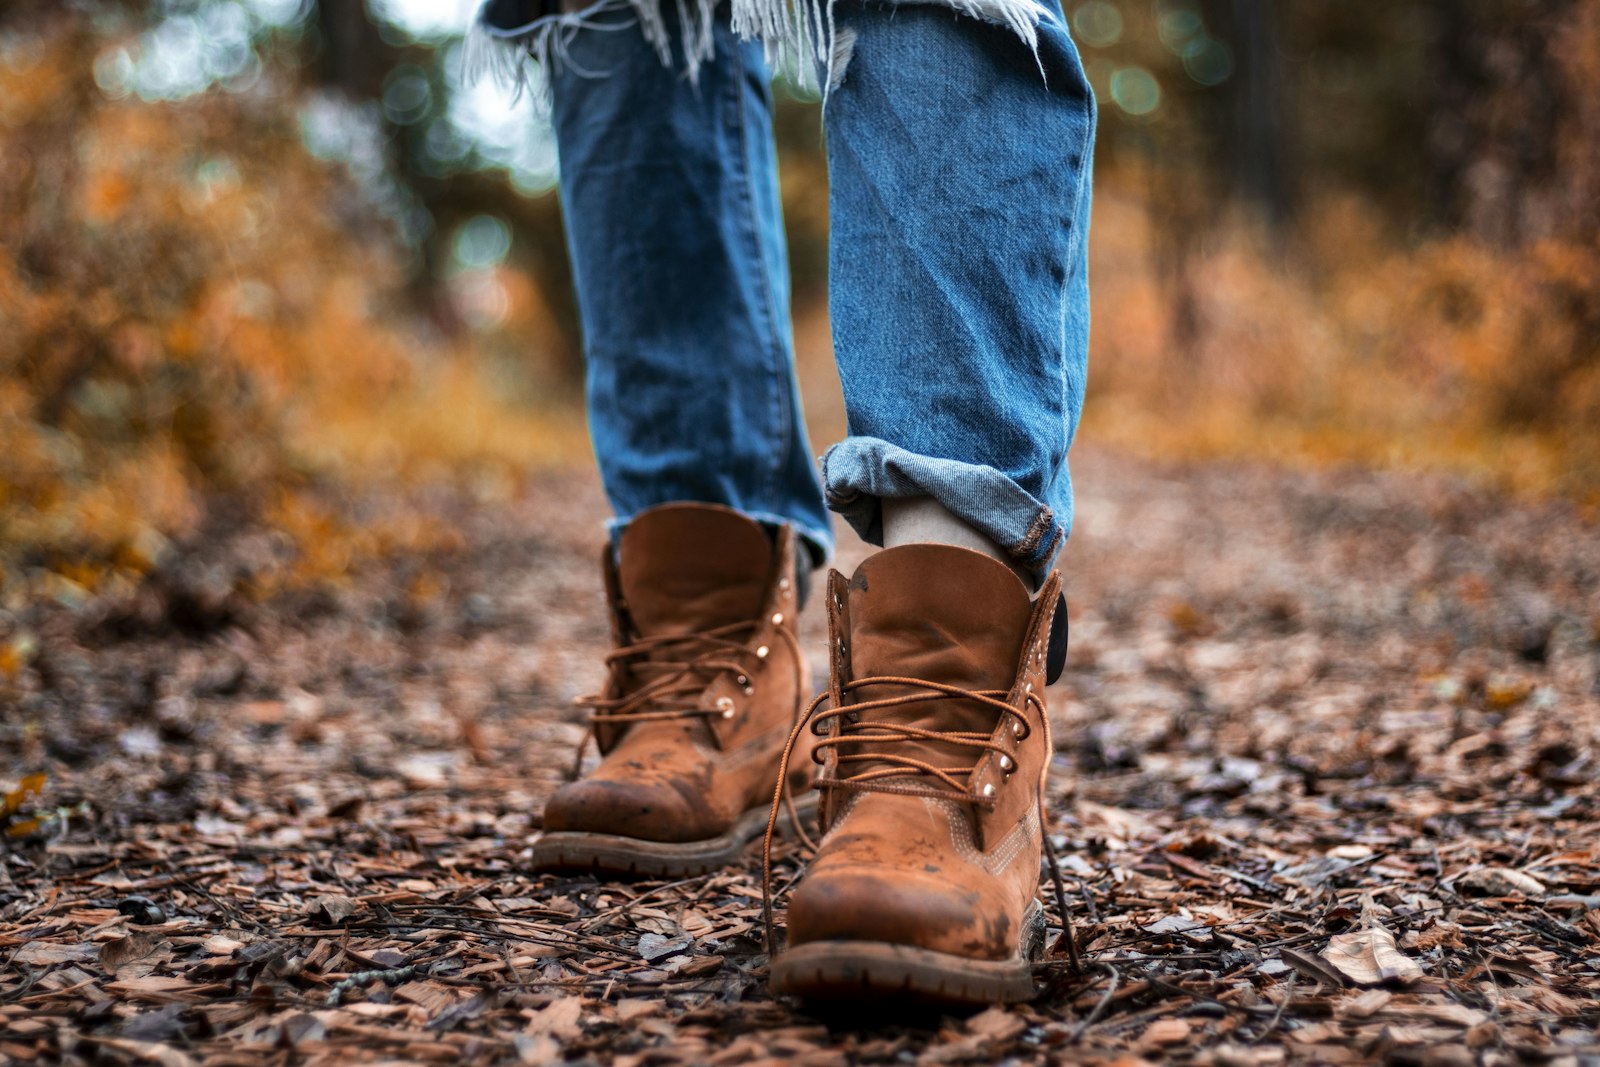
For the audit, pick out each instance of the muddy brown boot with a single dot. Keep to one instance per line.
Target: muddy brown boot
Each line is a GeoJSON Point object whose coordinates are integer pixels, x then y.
{"type": "Point", "coordinates": [935, 747]}
{"type": "Point", "coordinates": [703, 689]}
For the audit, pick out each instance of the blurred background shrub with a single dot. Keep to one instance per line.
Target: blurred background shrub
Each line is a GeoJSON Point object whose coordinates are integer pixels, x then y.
{"type": "Point", "coordinates": [250, 249]}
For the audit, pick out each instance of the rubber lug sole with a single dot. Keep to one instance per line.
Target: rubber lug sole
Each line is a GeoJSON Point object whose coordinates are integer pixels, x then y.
{"type": "Point", "coordinates": [617, 854]}
{"type": "Point", "coordinates": [852, 971]}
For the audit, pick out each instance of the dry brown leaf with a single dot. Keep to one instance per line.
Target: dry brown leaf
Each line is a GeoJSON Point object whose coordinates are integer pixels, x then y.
{"type": "Point", "coordinates": [45, 953]}
{"type": "Point", "coordinates": [1241, 1056]}
{"type": "Point", "coordinates": [1363, 1005]}
{"type": "Point", "coordinates": [1369, 957]}
{"type": "Point", "coordinates": [560, 1018]}
{"type": "Point", "coordinates": [996, 1024]}
{"type": "Point", "coordinates": [131, 956]}
{"type": "Point", "coordinates": [1167, 1032]}
{"type": "Point", "coordinates": [330, 908]}
{"type": "Point", "coordinates": [629, 1008]}
{"type": "Point", "coordinates": [1502, 882]}
{"type": "Point", "coordinates": [537, 1050]}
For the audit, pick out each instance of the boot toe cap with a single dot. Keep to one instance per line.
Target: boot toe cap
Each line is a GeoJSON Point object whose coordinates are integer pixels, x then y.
{"type": "Point", "coordinates": [915, 907]}
{"type": "Point", "coordinates": [650, 811]}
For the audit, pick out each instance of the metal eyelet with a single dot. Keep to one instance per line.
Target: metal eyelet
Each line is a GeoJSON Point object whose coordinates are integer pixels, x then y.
{"type": "Point", "coordinates": [988, 791]}
{"type": "Point", "coordinates": [726, 704]}
{"type": "Point", "coordinates": [762, 652]}
{"type": "Point", "coordinates": [1016, 728]}
{"type": "Point", "coordinates": [1006, 764]}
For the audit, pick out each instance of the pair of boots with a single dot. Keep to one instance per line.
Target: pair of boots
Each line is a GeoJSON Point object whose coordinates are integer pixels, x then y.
{"type": "Point", "coordinates": [932, 738]}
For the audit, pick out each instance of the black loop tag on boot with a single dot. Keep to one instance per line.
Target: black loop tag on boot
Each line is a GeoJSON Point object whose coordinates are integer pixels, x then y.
{"type": "Point", "coordinates": [1055, 660]}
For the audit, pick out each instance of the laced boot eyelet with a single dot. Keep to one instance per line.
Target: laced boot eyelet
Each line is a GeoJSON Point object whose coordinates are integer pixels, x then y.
{"type": "Point", "coordinates": [988, 791]}
{"type": "Point", "coordinates": [1007, 764]}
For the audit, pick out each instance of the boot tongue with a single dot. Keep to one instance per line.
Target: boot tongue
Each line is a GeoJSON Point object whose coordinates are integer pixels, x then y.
{"type": "Point", "coordinates": [684, 568]}
{"type": "Point", "coordinates": [941, 614]}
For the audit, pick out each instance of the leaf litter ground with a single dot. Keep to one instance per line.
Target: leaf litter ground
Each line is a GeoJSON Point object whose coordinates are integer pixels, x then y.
{"type": "Point", "coordinates": [1325, 792]}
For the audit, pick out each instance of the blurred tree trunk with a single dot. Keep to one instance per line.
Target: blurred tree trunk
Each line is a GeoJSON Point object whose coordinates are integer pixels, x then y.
{"type": "Point", "coordinates": [354, 57]}
{"type": "Point", "coordinates": [1251, 116]}
{"type": "Point", "coordinates": [1502, 102]}
{"type": "Point", "coordinates": [357, 60]}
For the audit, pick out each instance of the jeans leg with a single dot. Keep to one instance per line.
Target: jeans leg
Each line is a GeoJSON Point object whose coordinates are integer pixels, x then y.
{"type": "Point", "coordinates": [670, 195]}
{"type": "Point", "coordinates": [960, 169]}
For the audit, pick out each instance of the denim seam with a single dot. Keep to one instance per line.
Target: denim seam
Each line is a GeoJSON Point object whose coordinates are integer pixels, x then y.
{"type": "Point", "coordinates": [750, 230]}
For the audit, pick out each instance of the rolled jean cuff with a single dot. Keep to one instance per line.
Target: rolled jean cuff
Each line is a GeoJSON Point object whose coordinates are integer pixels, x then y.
{"type": "Point", "coordinates": [818, 542]}
{"type": "Point", "coordinates": [858, 472]}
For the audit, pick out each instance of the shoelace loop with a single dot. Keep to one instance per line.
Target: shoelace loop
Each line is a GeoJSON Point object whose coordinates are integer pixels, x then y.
{"type": "Point", "coordinates": [679, 678]}
{"type": "Point", "coordinates": [879, 780]}
{"type": "Point", "coordinates": [673, 677]}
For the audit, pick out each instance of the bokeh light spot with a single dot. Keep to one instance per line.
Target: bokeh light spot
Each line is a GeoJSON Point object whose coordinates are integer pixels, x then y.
{"type": "Point", "coordinates": [1178, 27]}
{"type": "Point", "coordinates": [1097, 23]}
{"type": "Point", "coordinates": [483, 241]}
{"type": "Point", "coordinates": [1135, 90]}
{"type": "Point", "coordinates": [1208, 61]}
{"type": "Point", "coordinates": [407, 96]}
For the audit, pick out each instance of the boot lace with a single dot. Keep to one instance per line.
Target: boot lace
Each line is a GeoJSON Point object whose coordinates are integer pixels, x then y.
{"type": "Point", "coordinates": [676, 671]}
{"type": "Point", "coordinates": [907, 775]}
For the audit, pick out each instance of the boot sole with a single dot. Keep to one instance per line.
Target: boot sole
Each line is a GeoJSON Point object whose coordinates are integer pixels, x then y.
{"type": "Point", "coordinates": [852, 971]}
{"type": "Point", "coordinates": [574, 850]}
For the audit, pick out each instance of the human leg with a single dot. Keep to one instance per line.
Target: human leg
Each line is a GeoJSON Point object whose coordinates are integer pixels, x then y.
{"type": "Point", "coordinates": [669, 193]}
{"type": "Point", "coordinates": [960, 174]}
{"type": "Point", "coordinates": [960, 178]}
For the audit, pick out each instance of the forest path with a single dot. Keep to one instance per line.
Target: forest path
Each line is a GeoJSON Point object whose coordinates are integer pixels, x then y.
{"type": "Point", "coordinates": [1303, 710]}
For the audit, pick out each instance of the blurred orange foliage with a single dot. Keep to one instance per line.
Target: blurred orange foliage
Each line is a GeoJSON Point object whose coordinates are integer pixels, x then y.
{"type": "Point", "coordinates": [193, 308]}
{"type": "Point", "coordinates": [1454, 354]}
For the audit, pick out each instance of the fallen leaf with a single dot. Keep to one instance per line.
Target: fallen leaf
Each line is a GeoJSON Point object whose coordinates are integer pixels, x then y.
{"type": "Point", "coordinates": [1365, 1004]}
{"type": "Point", "coordinates": [117, 954]}
{"type": "Point", "coordinates": [330, 908]}
{"type": "Point", "coordinates": [559, 1019]}
{"type": "Point", "coordinates": [1502, 882]}
{"type": "Point", "coordinates": [996, 1024]}
{"type": "Point", "coordinates": [45, 953]}
{"type": "Point", "coordinates": [1167, 1032]}
{"type": "Point", "coordinates": [1369, 957]}
{"type": "Point", "coordinates": [653, 948]}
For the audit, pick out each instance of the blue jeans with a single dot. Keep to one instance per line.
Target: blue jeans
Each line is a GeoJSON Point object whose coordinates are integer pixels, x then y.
{"type": "Point", "coordinates": [959, 163]}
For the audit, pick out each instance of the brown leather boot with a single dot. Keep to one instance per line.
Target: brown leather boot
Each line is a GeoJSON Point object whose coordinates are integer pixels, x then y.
{"type": "Point", "coordinates": [704, 686]}
{"type": "Point", "coordinates": [935, 748]}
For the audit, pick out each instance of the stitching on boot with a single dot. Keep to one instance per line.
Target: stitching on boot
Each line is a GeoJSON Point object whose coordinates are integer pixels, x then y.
{"type": "Point", "coordinates": [966, 846]}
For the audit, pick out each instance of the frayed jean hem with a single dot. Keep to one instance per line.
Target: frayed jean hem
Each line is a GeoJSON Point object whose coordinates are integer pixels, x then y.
{"type": "Point", "coordinates": [859, 472]}
{"type": "Point", "coordinates": [799, 36]}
